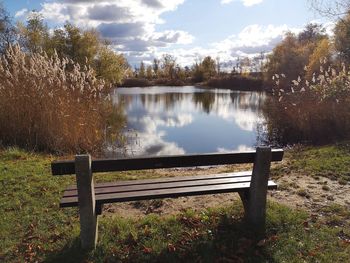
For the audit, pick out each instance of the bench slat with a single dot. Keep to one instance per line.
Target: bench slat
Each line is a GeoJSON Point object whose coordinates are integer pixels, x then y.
{"type": "Point", "coordinates": [164, 193]}
{"type": "Point", "coordinates": [166, 185]}
{"type": "Point", "coordinates": [167, 179]}
{"type": "Point", "coordinates": [127, 164]}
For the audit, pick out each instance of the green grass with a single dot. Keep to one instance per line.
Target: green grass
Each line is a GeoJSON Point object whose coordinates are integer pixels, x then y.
{"type": "Point", "coordinates": [332, 161]}
{"type": "Point", "coordinates": [33, 228]}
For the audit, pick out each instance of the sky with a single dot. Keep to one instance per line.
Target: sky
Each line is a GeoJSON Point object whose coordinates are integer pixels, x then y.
{"type": "Point", "coordinates": [186, 29]}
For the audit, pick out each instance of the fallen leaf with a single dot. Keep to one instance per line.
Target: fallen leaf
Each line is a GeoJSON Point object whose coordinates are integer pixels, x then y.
{"type": "Point", "coordinates": [273, 238]}
{"type": "Point", "coordinates": [171, 248]}
{"type": "Point", "coordinates": [147, 250]}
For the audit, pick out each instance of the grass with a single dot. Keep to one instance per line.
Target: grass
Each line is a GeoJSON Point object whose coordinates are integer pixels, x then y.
{"type": "Point", "coordinates": [332, 161]}
{"type": "Point", "coordinates": [33, 228]}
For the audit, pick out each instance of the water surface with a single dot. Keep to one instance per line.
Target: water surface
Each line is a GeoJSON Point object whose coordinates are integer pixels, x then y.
{"type": "Point", "coordinates": [186, 120]}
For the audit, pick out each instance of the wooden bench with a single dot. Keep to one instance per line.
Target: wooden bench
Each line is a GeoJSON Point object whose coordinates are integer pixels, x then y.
{"type": "Point", "coordinates": [252, 186]}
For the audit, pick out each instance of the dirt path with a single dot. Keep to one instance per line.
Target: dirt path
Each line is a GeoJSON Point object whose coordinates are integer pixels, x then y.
{"type": "Point", "coordinates": [296, 190]}
{"type": "Point", "coordinates": [309, 193]}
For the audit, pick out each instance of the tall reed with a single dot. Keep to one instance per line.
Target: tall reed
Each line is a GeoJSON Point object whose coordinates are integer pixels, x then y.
{"type": "Point", "coordinates": [315, 111]}
{"type": "Point", "coordinates": [51, 103]}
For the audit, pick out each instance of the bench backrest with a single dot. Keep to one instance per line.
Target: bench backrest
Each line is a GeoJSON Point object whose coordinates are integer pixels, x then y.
{"type": "Point", "coordinates": [126, 164]}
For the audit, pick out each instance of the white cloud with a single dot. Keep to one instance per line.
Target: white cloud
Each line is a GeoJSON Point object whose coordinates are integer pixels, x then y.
{"type": "Point", "coordinates": [96, 12]}
{"type": "Point", "coordinates": [57, 12]}
{"type": "Point", "coordinates": [240, 148]}
{"type": "Point", "coordinates": [150, 137]}
{"type": "Point", "coordinates": [245, 2]}
{"type": "Point", "coordinates": [255, 38]}
{"type": "Point", "coordinates": [128, 24]}
{"type": "Point", "coordinates": [252, 40]}
{"type": "Point", "coordinates": [154, 117]}
{"type": "Point", "coordinates": [251, 2]}
{"type": "Point", "coordinates": [173, 36]}
{"type": "Point", "coordinates": [21, 12]}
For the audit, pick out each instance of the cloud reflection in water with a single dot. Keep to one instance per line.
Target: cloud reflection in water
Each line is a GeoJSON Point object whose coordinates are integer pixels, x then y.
{"type": "Point", "coordinates": [179, 120]}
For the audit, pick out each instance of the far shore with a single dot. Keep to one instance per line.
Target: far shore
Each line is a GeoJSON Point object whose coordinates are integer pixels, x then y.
{"type": "Point", "coordinates": [232, 82]}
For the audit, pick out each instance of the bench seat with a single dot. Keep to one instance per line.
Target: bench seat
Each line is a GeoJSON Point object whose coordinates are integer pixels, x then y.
{"type": "Point", "coordinates": [170, 187]}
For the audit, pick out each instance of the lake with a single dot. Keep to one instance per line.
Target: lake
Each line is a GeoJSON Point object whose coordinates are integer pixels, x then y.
{"type": "Point", "coordinates": [186, 120]}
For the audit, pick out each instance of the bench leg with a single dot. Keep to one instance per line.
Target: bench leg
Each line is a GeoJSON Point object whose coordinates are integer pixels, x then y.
{"type": "Point", "coordinates": [244, 195]}
{"type": "Point", "coordinates": [254, 199]}
{"type": "Point", "coordinates": [87, 204]}
{"type": "Point", "coordinates": [99, 209]}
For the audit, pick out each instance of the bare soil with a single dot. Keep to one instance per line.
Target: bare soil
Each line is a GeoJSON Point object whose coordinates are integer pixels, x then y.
{"type": "Point", "coordinates": [295, 190]}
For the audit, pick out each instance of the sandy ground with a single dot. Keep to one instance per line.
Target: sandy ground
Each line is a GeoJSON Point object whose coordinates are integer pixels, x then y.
{"type": "Point", "coordinates": [296, 190]}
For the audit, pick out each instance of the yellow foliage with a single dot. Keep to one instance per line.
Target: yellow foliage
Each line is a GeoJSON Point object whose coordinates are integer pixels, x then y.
{"type": "Point", "coordinates": [321, 53]}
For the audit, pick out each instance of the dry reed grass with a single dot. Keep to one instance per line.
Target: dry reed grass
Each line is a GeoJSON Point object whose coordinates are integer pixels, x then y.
{"type": "Point", "coordinates": [51, 104]}
{"type": "Point", "coordinates": [316, 110]}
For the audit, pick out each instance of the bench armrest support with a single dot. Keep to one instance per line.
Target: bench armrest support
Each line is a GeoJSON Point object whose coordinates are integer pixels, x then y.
{"type": "Point", "coordinates": [255, 200]}
{"type": "Point", "coordinates": [87, 204]}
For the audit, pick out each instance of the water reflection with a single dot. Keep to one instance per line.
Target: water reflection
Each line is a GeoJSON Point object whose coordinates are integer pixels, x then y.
{"type": "Point", "coordinates": [179, 120]}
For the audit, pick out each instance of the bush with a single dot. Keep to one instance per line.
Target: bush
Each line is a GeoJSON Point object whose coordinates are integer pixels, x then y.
{"type": "Point", "coordinates": [142, 82]}
{"type": "Point", "coordinates": [135, 82]}
{"type": "Point", "coordinates": [51, 104]}
{"type": "Point", "coordinates": [169, 82]}
{"type": "Point", "coordinates": [237, 82]}
{"type": "Point", "coordinates": [316, 111]}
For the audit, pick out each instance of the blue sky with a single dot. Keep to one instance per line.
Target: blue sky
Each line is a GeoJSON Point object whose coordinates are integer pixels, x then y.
{"type": "Point", "coordinates": [187, 29]}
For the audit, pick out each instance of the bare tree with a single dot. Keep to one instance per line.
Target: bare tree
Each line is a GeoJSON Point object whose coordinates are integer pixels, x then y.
{"type": "Point", "coordinates": [330, 8]}
{"type": "Point", "coordinates": [7, 30]}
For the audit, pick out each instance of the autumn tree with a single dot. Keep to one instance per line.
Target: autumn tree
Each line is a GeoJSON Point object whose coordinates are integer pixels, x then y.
{"type": "Point", "coordinates": [285, 59]}
{"type": "Point", "coordinates": [34, 34]}
{"type": "Point", "coordinates": [320, 57]}
{"type": "Point", "coordinates": [142, 70]}
{"type": "Point", "coordinates": [208, 67]}
{"type": "Point", "coordinates": [312, 33]}
{"type": "Point", "coordinates": [257, 62]}
{"type": "Point", "coordinates": [197, 73]}
{"type": "Point", "coordinates": [81, 46]}
{"type": "Point", "coordinates": [168, 64]}
{"type": "Point", "coordinates": [294, 53]}
{"type": "Point", "coordinates": [218, 65]}
{"type": "Point", "coordinates": [246, 64]}
{"type": "Point", "coordinates": [110, 66]}
{"type": "Point", "coordinates": [155, 67]}
{"type": "Point", "coordinates": [149, 72]}
{"type": "Point", "coordinates": [342, 38]}
{"type": "Point", "coordinates": [58, 43]}
{"type": "Point", "coordinates": [180, 73]}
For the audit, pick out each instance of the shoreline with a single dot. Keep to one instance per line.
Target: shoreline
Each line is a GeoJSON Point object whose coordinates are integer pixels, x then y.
{"type": "Point", "coordinates": [230, 82]}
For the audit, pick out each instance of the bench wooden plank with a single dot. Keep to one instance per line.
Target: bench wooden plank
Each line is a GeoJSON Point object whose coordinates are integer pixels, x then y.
{"type": "Point", "coordinates": [167, 179]}
{"type": "Point", "coordinates": [164, 193]}
{"type": "Point", "coordinates": [165, 185]}
{"type": "Point", "coordinates": [127, 164]}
